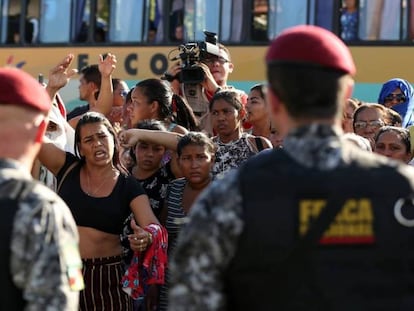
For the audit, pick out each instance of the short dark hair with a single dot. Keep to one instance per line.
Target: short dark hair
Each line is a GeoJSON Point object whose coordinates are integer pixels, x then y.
{"type": "Point", "coordinates": [91, 73]}
{"type": "Point", "coordinates": [151, 124]}
{"type": "Point", "coordinates": [198, 139]}
{"type": "Point", "coordinates": [307, 90]}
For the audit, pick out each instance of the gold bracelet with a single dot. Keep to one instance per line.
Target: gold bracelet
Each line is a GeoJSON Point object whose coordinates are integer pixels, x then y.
{"type": "Point", "coordinates": [149, 238]}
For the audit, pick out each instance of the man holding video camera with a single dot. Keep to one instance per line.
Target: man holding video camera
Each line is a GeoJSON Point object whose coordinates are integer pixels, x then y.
{"type": "Point", "coordinates": [216, 65]}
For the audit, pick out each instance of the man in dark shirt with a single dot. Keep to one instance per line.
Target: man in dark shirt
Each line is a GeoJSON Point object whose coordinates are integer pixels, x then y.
{"type": "Point", "coordinates": [89, 85]}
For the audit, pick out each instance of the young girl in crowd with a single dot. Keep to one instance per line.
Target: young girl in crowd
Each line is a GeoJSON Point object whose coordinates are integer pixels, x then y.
{"type": "Point", "coordinates": [149, 169]}
{"type": "Point", "coordinates": [153, 99]}
{"type": "Point", "coordinates": [195, 158]}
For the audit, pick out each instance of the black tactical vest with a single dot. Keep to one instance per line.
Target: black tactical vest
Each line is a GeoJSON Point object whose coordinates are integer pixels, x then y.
{"type": "Point", "coordinates": [11, 192]}
{"type": "Point", "coordinates": [363, 261]}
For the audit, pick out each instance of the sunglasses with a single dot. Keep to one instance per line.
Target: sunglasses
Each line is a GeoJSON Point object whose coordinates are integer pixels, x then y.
{"type": "Point", "coordinates": [398, 97]}
{"type": "Point", "coordinates": [123, 93]}
{"type": "Point", "coordinates": [363, 124]}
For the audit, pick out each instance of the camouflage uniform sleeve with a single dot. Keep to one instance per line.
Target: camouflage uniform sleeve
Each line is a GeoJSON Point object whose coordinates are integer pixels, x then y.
{"type": "Point", "coordinates": [205, 247]}
{"type": "Point", "coordinates": [45, 260]}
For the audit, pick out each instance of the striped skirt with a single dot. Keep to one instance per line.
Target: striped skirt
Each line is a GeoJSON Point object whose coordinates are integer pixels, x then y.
{"type": "Point", "coordinates": [103, 290]}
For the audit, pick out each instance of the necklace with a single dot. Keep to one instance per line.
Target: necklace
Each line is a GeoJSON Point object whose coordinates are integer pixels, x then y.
{"type": "Point", "coordinates": [94, 192]}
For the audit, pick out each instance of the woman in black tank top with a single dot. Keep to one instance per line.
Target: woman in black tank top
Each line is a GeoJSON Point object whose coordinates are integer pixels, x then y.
{"type": "Point", "coordinates": [100, 197]}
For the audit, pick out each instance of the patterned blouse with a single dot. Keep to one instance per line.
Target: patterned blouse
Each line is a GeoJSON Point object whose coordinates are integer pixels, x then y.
{"type": "Point", "coordinates": [231, 155]}
{"type": "Point", "coordinates": [155, 187]}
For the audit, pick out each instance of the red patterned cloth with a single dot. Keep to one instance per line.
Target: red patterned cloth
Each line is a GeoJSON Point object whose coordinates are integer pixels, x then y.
{"type": "Point", "coordinates": [148, 267]}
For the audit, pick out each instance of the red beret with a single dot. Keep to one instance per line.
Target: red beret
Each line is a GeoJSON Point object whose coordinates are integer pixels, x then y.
{"type": "Point", "coordinates": [312, 45]}
{"type": "Point", "coordinates": [19, 88]}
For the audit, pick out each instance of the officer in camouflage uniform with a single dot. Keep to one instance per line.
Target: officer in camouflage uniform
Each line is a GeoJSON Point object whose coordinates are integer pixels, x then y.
{"type": "Point", "coordinates": [316, 225]}
{"type": "Point", "coordinates": [40, 266]}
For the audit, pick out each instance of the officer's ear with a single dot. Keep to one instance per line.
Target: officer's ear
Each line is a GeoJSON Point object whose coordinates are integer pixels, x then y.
{"type": "Point", "coordinates": [348, 86]}
{"type": "Point", "coordinates": [274, 102]}
{"type": "Point", "coordinates": [278, 112]}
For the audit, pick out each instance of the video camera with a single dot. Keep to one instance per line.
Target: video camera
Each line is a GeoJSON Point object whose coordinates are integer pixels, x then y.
{"type": "Point", "coordinates": [192, 53]}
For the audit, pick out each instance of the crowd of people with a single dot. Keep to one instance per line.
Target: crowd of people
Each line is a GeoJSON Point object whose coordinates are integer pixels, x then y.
{"type": "Point", "coordinates": [208, 203]}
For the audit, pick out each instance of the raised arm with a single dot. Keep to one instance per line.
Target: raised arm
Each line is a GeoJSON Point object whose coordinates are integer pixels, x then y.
{"type": "Point", "coordinates": [60, 75]}
{"type": "Point", "coordinates": [105, 98]}
{"type": "Point", "coordinates": [129, 138]}
{"type": "Point", "coordinates": [51, 156]}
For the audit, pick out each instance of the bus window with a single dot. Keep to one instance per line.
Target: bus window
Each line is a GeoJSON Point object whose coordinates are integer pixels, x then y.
{"type": "Point", "coordinates": [93, 27]}
{"type": "Point", "coordinates": [235, 20]}
{"type": "Point", "coordinates": [225, 31]}
{"type": "Point", "coordinates": [382, 19]}
{"type": "Point", "coordinates": [200, 15]}
{"type": "Point", "coordinates": [55, 21]}
{"type": "Point", "coordinates": [15, 14]}
{"type": "Point", "coordinates": [127, 21]}
{"type": "Point", "coordinates": [259, 21]}
{"type": "Point", "coordinates": [101, 21]}
{"type": "Point", "coordinates": [325, 14]}
{"type": "Point", "coordinates": [176, 21]}
{"type": "Point", "coordinates": [153, 32]}
{"type": "Point", "coordinates": [286, 13]}
{"type": "Point", "coordinates": [411, 13]}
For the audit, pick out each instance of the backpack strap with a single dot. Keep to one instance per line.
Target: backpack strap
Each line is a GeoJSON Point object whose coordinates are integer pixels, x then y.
{"type": "Point", "coordinates": [259, 143]}
{"type": "Point", "coordinates": [64, 176]}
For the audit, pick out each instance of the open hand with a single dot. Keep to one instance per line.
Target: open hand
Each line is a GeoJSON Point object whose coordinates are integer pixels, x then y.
{"type": "Point", "coordinates": [60, 75]}
{"type": "Point", "coordinates": [107, 66]}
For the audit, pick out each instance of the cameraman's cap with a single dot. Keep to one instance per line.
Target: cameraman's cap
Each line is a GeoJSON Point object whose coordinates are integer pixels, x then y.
{"type": "Point", "coordinates": [308, 44]}
{"type": "Point", "coordinates": [19, 88]}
